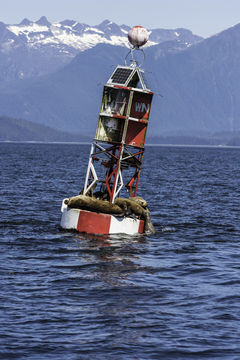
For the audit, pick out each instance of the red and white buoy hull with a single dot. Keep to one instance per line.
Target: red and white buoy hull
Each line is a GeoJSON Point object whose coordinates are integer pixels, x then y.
{"type": "Point", "coordinates": [98, 223]}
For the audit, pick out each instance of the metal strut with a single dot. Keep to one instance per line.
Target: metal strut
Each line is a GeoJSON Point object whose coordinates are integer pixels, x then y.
{"type": "Point", "coordinates": [134, 62]}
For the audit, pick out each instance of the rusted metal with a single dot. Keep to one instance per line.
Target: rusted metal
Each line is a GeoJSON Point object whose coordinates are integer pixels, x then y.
{"type": "Point", "coordinates": [119, 142]}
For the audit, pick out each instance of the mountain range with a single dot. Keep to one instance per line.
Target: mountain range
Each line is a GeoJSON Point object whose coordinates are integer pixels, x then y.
{"type": "Point", "coordinates": [196, 81]}
{"type": "Point", "coordinates": [31, 49]}
{"type": "Point", "coordinates": [24, 130]}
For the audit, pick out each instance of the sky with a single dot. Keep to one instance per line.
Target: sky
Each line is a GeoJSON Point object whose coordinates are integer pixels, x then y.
{"type": "Point", "coordinates": [202, 17]}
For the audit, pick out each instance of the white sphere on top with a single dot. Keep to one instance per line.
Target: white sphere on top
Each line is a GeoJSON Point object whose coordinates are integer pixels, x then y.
{"type": "Point", "coordinates": [138, 36]}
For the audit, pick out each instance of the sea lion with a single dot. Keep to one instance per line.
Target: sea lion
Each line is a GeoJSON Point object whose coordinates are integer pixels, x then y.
{"type": "Point", "coordinates": [92, 204]}
{"type": "Point", "coordinates": [139, 201]}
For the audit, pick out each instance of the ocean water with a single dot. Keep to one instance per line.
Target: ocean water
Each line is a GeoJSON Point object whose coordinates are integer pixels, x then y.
{"type": "Point", "coordinates": [171, 295]}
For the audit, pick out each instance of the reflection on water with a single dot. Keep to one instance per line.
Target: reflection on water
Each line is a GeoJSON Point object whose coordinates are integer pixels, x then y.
{"type": "Point", "coordinates": [115, 257]}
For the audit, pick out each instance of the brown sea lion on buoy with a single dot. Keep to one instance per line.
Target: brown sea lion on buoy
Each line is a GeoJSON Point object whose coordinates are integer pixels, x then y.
{"type": "Point", "coordinates": [92, 204]}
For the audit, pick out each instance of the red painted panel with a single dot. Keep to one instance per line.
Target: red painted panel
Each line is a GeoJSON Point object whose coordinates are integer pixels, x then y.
{"type": "Point", "coordinates": [141, 105]}
{"type": "Point", "coordinates": [123, 87]}
{"type": "Point", "coordinates": [93, 223]}
{"type": "Point", "coordinates": [141, 227]}
{"type": "Point", "coordinates": [136, 133]}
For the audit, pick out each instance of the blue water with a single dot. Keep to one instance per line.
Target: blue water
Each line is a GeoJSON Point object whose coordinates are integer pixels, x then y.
{"type": "Point", "coordinates": [172, 295]}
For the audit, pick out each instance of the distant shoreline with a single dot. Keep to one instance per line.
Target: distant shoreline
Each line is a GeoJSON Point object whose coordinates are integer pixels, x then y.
{"type": "Point", "coordinates": [146, 145]}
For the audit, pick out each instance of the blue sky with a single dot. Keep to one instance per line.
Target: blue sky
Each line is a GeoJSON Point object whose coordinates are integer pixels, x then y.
{"type": "Point", "coordinates": [203, 17]}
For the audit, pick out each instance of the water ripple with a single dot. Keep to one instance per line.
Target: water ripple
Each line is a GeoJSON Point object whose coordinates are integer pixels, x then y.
{"type": "Point", "coordinates": [171, 295]}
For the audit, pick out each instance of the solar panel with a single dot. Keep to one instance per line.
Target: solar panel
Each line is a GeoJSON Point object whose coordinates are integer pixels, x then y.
{"type": "Point", "coordinates": [121, 75]}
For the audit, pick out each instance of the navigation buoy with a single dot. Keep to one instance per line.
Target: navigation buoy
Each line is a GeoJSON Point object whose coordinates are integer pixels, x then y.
{"type": "Point", "coordinates": [116, 156]}
{"type": "Point", "coordinates": [138, 36]}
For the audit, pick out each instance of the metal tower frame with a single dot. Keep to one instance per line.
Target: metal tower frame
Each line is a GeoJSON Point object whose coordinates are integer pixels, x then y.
{"type": "Point", "coordinates": [120, 136]}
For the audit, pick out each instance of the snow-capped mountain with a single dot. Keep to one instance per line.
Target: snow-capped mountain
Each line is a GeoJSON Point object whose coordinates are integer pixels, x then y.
{"type": "Point", "coordinates": [199, 85]}
{"type": "Point", "coordinates": [31, 49]}
{"type": "Point", "coordinates": [70, 34]}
